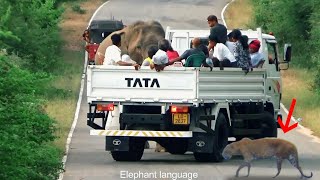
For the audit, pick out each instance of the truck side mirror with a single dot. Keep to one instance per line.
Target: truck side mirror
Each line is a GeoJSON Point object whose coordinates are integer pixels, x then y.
{"type": "Point", "coordinates": [287, 52]}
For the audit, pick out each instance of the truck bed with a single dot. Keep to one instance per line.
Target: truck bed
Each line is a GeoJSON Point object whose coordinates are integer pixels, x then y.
{"type": "Point", "coordinates": [174, 85]}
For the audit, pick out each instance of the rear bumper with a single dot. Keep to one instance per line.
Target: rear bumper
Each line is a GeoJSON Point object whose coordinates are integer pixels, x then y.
{"type": "Point", "coordinates": [137, 133]}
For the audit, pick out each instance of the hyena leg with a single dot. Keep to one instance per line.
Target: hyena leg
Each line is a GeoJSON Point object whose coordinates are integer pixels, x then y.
{"type": "Point", "coordinates": [279, 163]}
{"type": "Point", "coordinates": [294, 161]}
{"type": "Point", "coordinates": [242, 166]}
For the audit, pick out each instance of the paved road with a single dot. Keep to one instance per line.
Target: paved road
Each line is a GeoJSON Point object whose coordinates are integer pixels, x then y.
{"type": "Point", "coordinates": [87, 158]}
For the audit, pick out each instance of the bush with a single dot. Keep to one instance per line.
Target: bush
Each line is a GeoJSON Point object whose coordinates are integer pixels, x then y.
{"type": "Point", "coordinates": [26, 130]}
{"type": "Point", "coordinates": [77, 8]}
{"type": "Point", "coordinates": [30, 29]}
{"type": "Point", "coordinates": [297, 22]}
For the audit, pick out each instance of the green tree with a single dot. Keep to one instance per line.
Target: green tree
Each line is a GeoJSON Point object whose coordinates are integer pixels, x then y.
{"type": "Point", "coordinates": [34, 23]}
{"type": "Point", "coordinates": [26, 130]}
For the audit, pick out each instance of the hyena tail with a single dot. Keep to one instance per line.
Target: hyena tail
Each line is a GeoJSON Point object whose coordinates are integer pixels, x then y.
{"type": "Point", "coordinates": [293, 159]}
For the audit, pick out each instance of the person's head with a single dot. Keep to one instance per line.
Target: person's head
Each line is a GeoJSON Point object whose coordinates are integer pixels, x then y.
{"type": "Point", "coordinates": [254, 46]}
{"type": "Point", "coordinates": [85, 33]}
{"type": "Point", "coordinates": [235, 35]}
{"type": "Point", "coordinates": [164, 45]}
{"type": "Point", "coordinates": [170, 48]}
{"type": "Point", "coordinates": [212, 20]}
{"type": "Point", "coordinates": [152, 51]}
{"type": "Point", "coordinates": [244, 41]}
{"type": "Point", "coordinates": [230, 37]}
{"type": "Point", "coordinates": [116, 39]}
{"type": "Point", "coordinates": [213, 40]}
{"type": "Point", "coordinates": [196, 42]}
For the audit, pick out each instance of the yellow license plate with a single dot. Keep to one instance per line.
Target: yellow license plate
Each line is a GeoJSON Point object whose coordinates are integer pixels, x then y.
{"type": "Point", "coordinates": [180, 119]}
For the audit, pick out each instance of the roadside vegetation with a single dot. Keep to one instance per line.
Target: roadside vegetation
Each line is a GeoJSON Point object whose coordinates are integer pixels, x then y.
{"type": "Point", "coordinates": [41, 63]}
{"type": "Point", "coordinates": [296, 22]}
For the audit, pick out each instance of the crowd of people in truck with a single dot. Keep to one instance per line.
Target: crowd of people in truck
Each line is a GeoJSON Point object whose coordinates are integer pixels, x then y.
{"type": "Point", "coordinates": [223, 50]}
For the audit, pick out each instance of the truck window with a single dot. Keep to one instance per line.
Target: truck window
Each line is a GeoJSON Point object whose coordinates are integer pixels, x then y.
{"type": "Point", "coordinates": [273, 54]}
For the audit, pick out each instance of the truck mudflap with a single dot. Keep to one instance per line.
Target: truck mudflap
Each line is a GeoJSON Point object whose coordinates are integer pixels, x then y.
{"type": "Point", "coordinates": [137, 133]}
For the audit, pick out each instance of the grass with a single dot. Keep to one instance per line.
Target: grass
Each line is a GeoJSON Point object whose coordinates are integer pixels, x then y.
{"type": "Point", "coordinates": [238, 14]}
{"type": "Point", "coordinates": [296, 82]}
{"type": "Point", "coordinates": [77, 8]}
{"type": "Point", "coordinates": [63, 106]}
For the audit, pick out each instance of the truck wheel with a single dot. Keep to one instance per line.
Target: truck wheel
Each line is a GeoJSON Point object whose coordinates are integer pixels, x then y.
{"type": "Point", "coordinates": [134, 154]}
{"type": "Point", "coordinates": [220, 141]}
{"type": "Point", "coordinates": [268, 126]}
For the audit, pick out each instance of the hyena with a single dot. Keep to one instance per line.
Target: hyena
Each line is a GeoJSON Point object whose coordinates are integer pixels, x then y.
{"type": "Point", "coordinates": [264, 148]}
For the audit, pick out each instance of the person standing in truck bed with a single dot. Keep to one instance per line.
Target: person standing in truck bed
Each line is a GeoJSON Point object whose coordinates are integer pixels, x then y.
{"type": "Point", "coordinates": [218, 30]}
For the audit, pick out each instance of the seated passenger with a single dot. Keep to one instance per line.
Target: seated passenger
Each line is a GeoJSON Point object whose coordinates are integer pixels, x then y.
{"type": "Point", "coordinates": [208, 62]}
{"type": "Point", "coordinates": [151, 52]}
{"type": "Point", "coordinates": [257, 58]}
{"type": "Point", "coordinates": [194, 50]}
{"type": "Point", "coordinates": [172, 54]}
{"type": "Point", "coordinates": [241, 53]}
{"type": "Point", "coordinates": [160, 59]}
{"type": "Point", "coordinates": [220, 54]}
{"type": "Point", "coordinates": [113, 53]}
{"type": "Point", "coordinates": [230, 44]}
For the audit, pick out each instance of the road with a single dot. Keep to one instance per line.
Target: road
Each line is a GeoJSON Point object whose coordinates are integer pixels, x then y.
{"type": "Point", "coordinates": [87, 158]}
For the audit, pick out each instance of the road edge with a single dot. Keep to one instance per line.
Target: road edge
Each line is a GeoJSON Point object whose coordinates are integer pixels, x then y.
{"type": "Point", "coordinates": [76, 114]}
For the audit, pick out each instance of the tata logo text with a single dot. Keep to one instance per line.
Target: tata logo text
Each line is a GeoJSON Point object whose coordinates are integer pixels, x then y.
{"type": "Point", "coordinates": [142, 82]}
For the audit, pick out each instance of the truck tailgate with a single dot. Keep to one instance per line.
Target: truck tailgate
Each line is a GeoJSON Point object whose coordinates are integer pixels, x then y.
{"type": "Point", "coordinates": [119, 83]}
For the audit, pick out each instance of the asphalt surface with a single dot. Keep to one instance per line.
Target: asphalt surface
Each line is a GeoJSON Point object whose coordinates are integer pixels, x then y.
{"type": "Point", "coordinates": [87, 159]}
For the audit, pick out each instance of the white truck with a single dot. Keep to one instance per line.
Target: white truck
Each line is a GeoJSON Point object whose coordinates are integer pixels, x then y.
{"type": "Point", "coordinates": [185, 108]}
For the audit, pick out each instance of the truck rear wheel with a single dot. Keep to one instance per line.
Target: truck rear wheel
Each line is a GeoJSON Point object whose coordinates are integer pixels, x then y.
{"type": "Point", "coordinates": [220, 142]}
{"type": "Point", "coordinates": [268, 126]}
{"type": "Point", "coordinates": [135, 152]}
{"type": "Point", "coordinates": [177, 147]}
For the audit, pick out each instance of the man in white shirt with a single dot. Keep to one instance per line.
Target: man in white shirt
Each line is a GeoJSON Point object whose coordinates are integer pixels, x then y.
{"type": "Point", "coordinates": [221, 53]}
{"type": "Point", "coordinates": [113, 54]}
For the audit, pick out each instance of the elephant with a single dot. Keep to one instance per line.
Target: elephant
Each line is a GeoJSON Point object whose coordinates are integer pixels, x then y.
{"type": "Point", "coordinates": [136, 39]}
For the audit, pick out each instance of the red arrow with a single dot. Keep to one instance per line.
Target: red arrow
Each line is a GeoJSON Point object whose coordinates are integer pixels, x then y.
{"type": "Point", "coordinates": [287, 128]}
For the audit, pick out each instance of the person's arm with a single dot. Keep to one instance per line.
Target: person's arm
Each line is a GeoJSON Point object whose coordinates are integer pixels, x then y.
{"type": "Point", "coordinates": [122, 63]}
{"type": "Point", "coordinates": [185, 55]}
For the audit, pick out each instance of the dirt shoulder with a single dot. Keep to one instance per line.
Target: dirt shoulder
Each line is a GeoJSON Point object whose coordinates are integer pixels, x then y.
{"type": "Point", "coordinates": [73, 24]}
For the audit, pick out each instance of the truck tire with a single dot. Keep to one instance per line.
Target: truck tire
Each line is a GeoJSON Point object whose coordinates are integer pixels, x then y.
{"type": "Point", "coordinates": [134, 154]}
{"type": "Point", "coordinates": [220, 141]}
{"type": "Point", "coordinates": [268, 126]}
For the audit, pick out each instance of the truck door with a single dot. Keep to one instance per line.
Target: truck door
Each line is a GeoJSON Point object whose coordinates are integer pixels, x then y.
{"type": "Point", "coordinates": [273, 74]}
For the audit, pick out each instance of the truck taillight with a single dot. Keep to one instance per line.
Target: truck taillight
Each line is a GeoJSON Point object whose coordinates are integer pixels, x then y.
{"type": "Point", "coordinates": [105, 107]}
{"type": "Point", "coordinates": [179, 109]}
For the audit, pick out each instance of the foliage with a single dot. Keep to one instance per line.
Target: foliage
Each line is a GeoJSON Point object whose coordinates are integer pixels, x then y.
{"type": "Point", "coordinates": [30, 29]}
{"type": "Point", "coordinates": [26, 130]}
{"type": "Point", "coordinates": [77, 8]}
{"type": "Point", "coordinates": [296, 22]}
